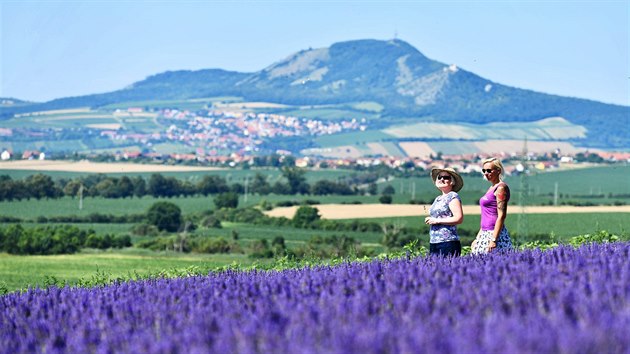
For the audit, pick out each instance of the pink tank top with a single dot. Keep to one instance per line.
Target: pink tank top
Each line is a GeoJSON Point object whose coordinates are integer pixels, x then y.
{"type": "Point", "coordinates": [488, 203]}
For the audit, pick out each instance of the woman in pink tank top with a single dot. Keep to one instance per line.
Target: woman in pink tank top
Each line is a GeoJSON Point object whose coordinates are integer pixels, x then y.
{"type": "Point", "coordinates": [493, 234]}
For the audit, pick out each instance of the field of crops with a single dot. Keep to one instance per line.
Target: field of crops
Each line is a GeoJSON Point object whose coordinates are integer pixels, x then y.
{"type": "Point", "coordinates": [31, 209]}
{"type": "Point", "coordinates": [524, 228]}
{"type": "Point", "coordinates": [23, 272]}
{"type": "Point", "coordinates": [500, 303]}
{"type": "Point", "coordinates": [561, 226]}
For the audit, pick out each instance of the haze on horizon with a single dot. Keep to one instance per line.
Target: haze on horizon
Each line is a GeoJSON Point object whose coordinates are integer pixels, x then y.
{"type": "Point", "coordinates": [55, 49]}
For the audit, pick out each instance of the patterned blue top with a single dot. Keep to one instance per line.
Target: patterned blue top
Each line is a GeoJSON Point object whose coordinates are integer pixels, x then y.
{"type": "Point", "coordinates": [440, 209]}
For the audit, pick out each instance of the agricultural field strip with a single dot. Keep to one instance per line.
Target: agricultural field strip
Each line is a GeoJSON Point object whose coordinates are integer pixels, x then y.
{"type": "Point", "coordinates": [549, 128]}
{"type": "Point", "coordinates": [95, 167]}
{"type": "Point", "coordinates": [348, 211]}
{"type": "Point", "coordinates": [73, 117]}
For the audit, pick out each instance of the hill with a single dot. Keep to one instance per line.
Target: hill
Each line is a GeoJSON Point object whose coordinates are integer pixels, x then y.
{"type": "Point", "coordinates": [406, 85]}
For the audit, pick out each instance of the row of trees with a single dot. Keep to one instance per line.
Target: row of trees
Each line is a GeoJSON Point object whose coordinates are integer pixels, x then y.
{"type": "Point", "coordinates": [41, 186]}
{"type": "Point", "coordinates": [65, 239]}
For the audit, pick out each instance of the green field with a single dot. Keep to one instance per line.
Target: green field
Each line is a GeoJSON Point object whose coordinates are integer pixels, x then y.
{"type": "Point", "coordinates": [16, 272]}
{"type": "Point", "coordinates": [562, 226]}
{"type": "Point", "coordinates": [352, 138]}
{"type": "Point", "coordinates": [230, 174]}
{"type": "Point", "coordinates": [600, 185]}
{"type": "Point", "coordinates": [193, 104]}
{"type": "Point", "coordinates": [23, 271]}
{"type": "Point", "coordinates": [20, 272]}
{"type": "Point", "coordinates": [368, 106]}
{"type": "Point", "coordinates": [597, 180]}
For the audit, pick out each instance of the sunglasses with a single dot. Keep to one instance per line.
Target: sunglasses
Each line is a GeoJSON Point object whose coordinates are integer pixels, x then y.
{"type": "Point", "coordinates": [446, 178]}
{"type": "Point", "coordinates": [486, 171]}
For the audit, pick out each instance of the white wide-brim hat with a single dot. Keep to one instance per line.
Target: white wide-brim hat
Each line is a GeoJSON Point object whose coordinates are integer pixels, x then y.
{"type": "Point", "coordinates": [458, 181]}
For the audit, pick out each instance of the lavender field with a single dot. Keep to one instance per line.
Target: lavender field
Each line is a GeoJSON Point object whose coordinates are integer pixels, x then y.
{"type": "Point", "coordinates": [564, 300]}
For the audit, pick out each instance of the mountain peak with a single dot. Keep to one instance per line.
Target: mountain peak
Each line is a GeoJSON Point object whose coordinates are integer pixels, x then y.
{"type": "Point", "coordinates": [390, 74]}
{"type": "Point", "coordinates": [351, 68]}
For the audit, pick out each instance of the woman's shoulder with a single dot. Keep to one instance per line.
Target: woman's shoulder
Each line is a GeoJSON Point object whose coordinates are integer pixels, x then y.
{"type": "Point", "coordinates": [502, 185]}
{"type": "Point", "coordinates": [453, 195]}
{"type": "Point", "coordinates": [502, 190]}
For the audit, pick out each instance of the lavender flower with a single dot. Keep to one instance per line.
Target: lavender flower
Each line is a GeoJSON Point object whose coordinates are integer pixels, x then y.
{"type": "Point", "coordinates": [564, 300]}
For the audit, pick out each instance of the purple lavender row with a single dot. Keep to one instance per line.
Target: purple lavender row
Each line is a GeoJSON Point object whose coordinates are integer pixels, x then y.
{"type": "Point", "coordinates": [564, 300]}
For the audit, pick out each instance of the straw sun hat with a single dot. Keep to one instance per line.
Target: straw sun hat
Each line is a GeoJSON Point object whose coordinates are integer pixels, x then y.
{"type": "Point", "coordinates": [458, 182]}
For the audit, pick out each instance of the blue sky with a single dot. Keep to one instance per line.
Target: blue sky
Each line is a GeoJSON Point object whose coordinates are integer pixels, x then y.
{"type": "Point", "coordinates": [53, 49]}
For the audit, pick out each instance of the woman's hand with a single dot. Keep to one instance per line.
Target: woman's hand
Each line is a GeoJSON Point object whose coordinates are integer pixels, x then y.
{"type": "Point", "coordinates": [491, 246]}
{"type": "Point", "coordinates": [431, 221]}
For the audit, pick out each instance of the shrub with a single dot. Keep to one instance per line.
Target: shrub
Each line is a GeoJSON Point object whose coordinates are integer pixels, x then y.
{"type": "Point", "coordinates": [305, 216]}
{"type": "Point", "coordinates": [145, 230]}
{"type": "Point", "coordinates": [227, 200]}
{"type": "Point", "coordinates": [165, 216]}
{"type": "Point", "coordinates": [213, 245]}
{"type": "Point", "coordinates": [601, 236]}
{"type": "Point", "coordinates": [164, 244]}
{"type": "Point", "coordinates": [385, 199]}
{"type": "Point", "coordinates": [211, 221]}
{"type": "Point", "coordinates": [260, 249]}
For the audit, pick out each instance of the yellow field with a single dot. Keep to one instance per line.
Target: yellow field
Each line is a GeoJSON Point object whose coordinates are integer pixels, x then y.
{"type": "Point", "coordinates": [416, 148]}
{"type": "Point", "coordinates": [95, 167]}
{"type": "Point", "coordinates": [111, 126]}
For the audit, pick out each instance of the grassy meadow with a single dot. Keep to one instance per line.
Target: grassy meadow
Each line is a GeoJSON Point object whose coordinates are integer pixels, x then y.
{"type": "Point", "coordinates": [594, 185]}
{"type": "Point", "coordinates": [523, 227]}
{"type": "Point", "coordinates": [21, 272]}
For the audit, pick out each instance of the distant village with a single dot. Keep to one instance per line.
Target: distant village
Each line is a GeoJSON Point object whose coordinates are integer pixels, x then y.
{"type": "Point", "coordinates": [217, 132]}
{"type": "Point", "coordinates": [233, 139]}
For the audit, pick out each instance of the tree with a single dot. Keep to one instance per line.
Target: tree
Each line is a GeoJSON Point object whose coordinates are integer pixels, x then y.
{"type": "Point", "coordinates": [260, 185]}
{"type": "Point", "coordinates": [389, 190]}
{"type": "Point", "coordinates": [107, 188]}
{"type": "Point", "coordinates": [41, 186]}
{"type": "Point", "coordinates": [165, 216]}
{"type": "Point", "coordinates": [226, 200]}
{"type": "Point", "coordinates": [71, 189]}
{"type": "Point", "coordinates": [160, 186]}
{"type": "Point", "coordinates": [385, 199]}
{"type": "Point", "coordinates": [305, 216]}
{"type": "Point", "coordinates": [125, 187]}
{"type": "Point", "coordinates": [372, 189]}
{"type": "Point", "coordinates": [139, 187]}
{"type": "Point", "coordinates": [296, 179]}
{"type": "Point", "coordinates": [212, 185]}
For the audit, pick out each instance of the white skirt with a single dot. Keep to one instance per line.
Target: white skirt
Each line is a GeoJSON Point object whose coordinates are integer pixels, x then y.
{"type": "Point", "coordinates": [504, 242]}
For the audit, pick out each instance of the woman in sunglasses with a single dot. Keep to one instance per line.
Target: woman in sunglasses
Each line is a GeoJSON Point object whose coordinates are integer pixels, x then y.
{"type": "Point", "coordinates": [445, 213]}
{"type": "Point", "coordinates": [493, 235]}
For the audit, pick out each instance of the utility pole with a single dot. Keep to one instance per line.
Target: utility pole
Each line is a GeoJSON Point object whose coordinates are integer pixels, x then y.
{"type": "Point", "coordinates": [413, 190]}
{"type": "Point", "coordinates": [81, 197]}
{"type": "Point", "coordinates": [246, 184]}
{"type": "Point", "coordinates": [523, 194]}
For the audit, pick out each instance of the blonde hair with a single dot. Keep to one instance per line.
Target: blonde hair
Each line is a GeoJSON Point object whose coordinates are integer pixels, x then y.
{"type": "Point", "coordinates": [496, 163]}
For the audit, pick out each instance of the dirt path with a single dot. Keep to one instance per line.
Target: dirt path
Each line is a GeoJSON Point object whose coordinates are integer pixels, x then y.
{"type": "Point", "coordinates": [95, 167]}
{"type": "Point", "coordinates": [359, 211]}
